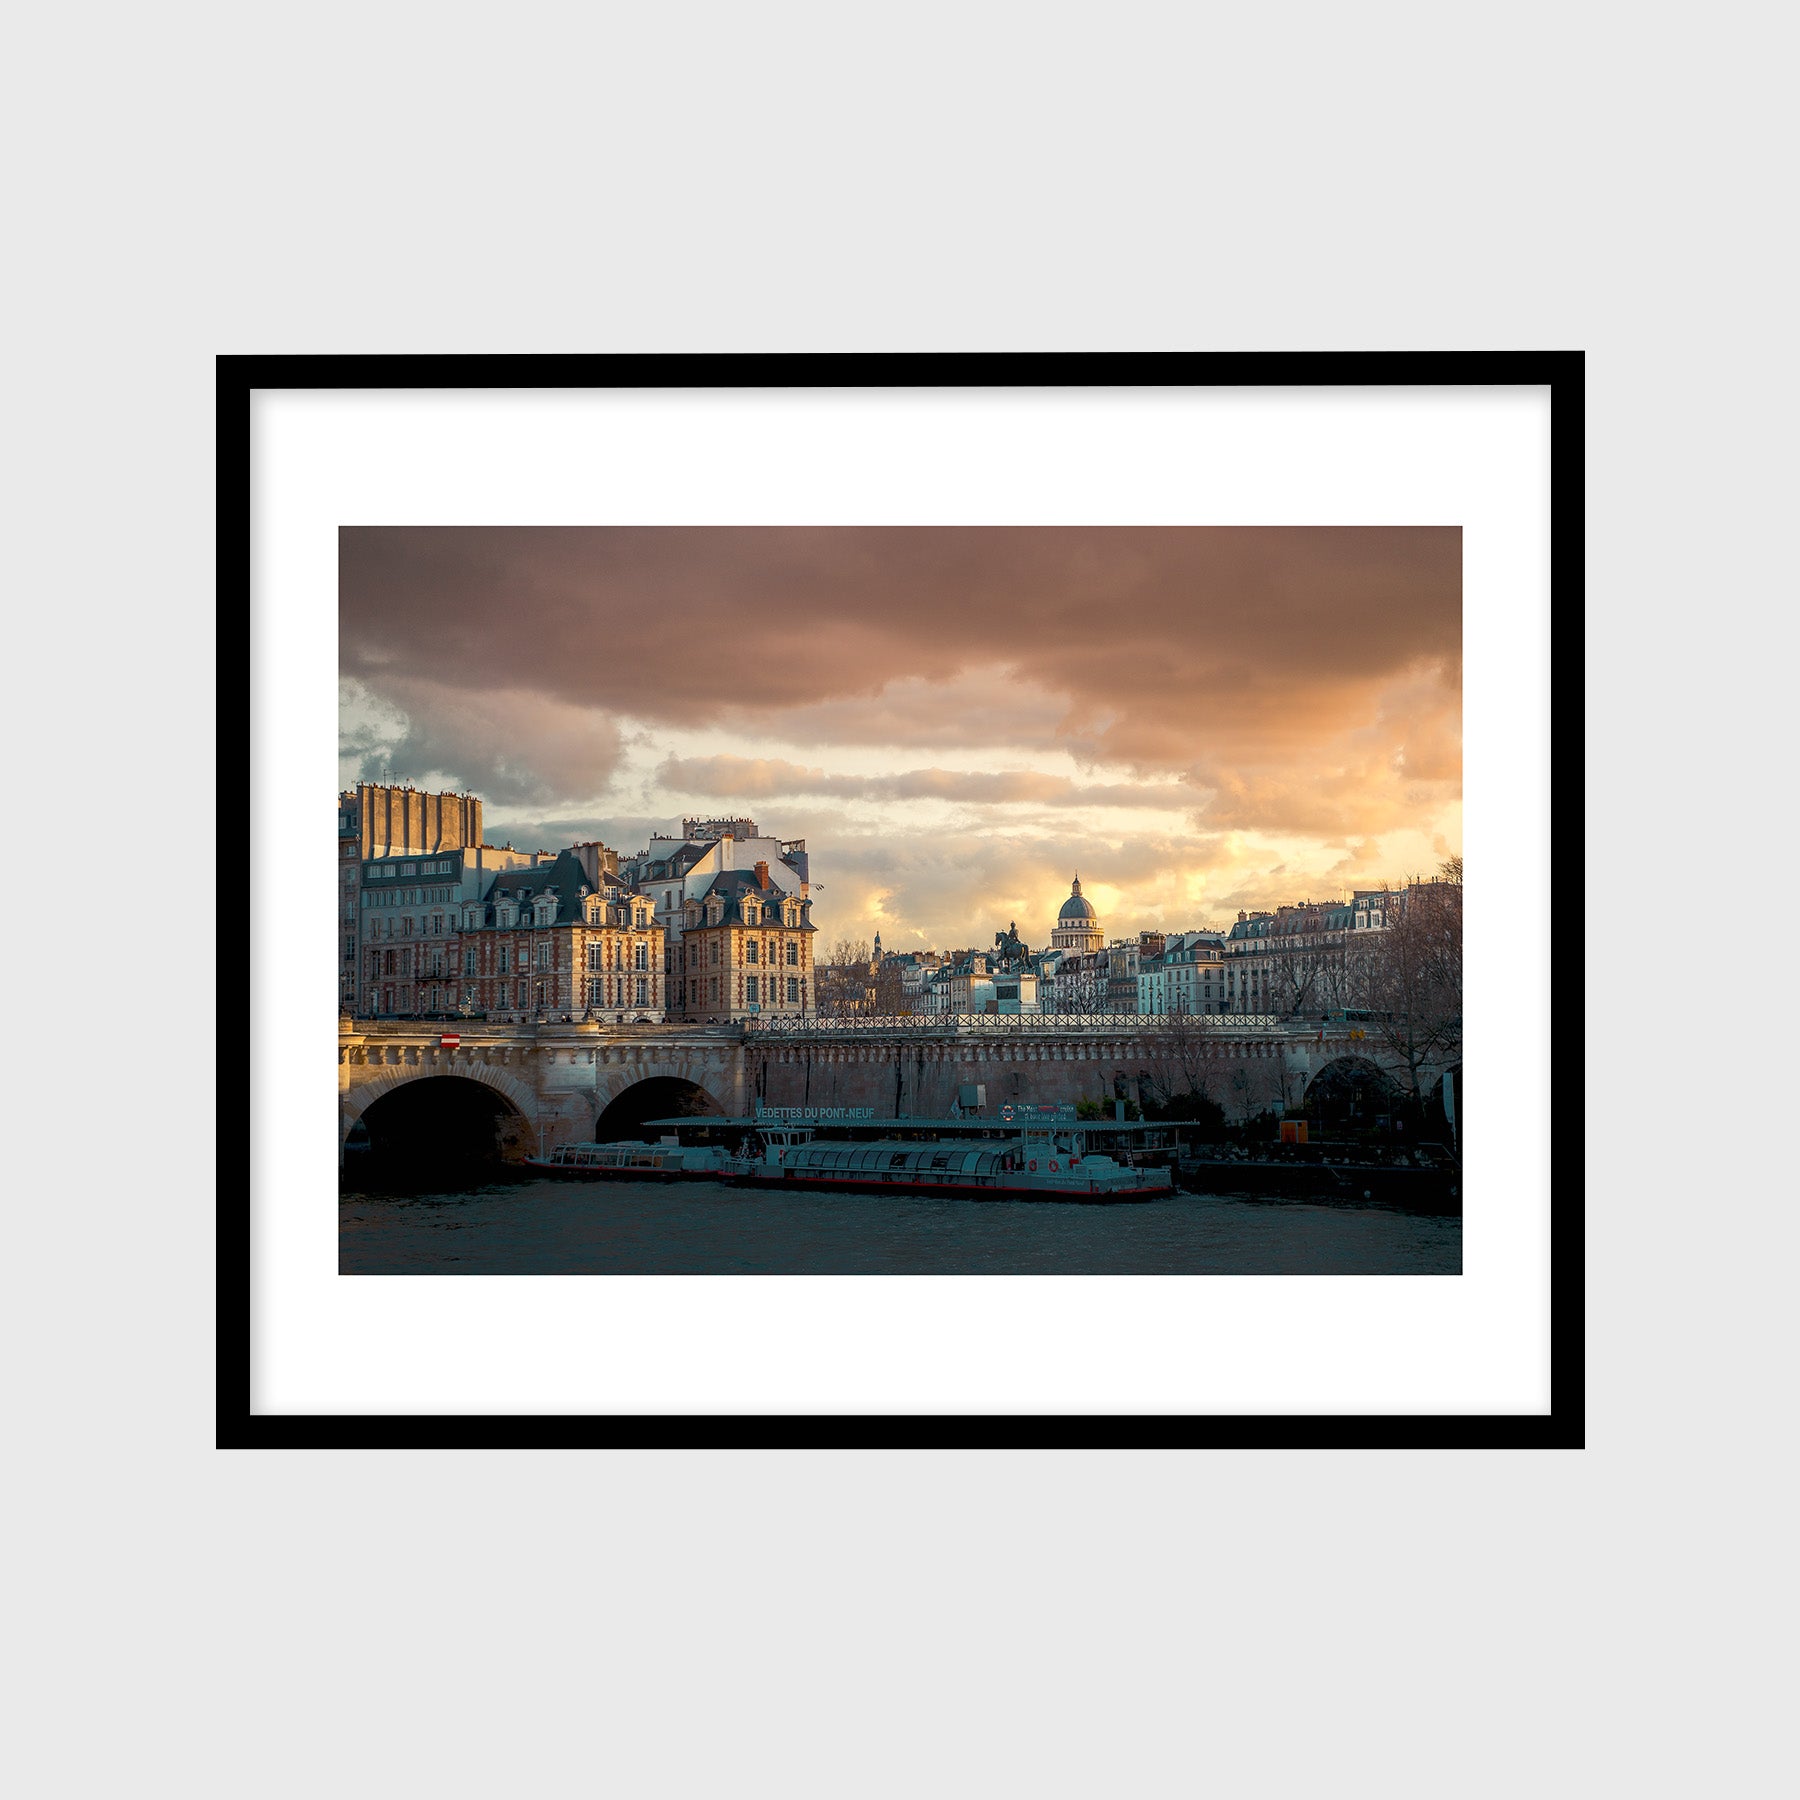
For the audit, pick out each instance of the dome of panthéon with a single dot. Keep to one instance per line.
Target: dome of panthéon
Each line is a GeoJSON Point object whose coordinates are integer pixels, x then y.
{"type": "Point", "coordinates": [1075, 907]}
{"type": "Point", "coordinates": [1077, 931]}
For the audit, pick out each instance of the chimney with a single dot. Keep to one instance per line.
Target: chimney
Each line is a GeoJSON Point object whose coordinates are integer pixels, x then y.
{"type": "Point", "coordinates": [762, 874]}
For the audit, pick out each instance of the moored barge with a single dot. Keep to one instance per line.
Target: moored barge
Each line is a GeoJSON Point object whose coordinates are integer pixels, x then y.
{"type": "Point", "coordinates": [1026, 1153]}
{"type": "Point", "coordinates": [666, 1161]}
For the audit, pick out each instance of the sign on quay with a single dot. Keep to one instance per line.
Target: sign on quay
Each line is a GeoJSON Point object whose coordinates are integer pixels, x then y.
{"type": "Point", "coordinates": [814, 1112]}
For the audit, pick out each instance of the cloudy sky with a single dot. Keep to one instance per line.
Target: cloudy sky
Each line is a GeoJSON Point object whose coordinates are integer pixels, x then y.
{"type": "Point", "coordinates": [1196, 721]}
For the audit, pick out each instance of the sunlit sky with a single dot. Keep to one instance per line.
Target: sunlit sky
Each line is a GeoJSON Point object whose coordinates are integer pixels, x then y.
{"type": "Point", "coordinates": [1198, 721]}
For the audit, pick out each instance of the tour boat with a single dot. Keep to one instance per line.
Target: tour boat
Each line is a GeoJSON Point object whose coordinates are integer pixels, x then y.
{"type": "Point", "coordinates": [668, 1161]}
{"type": "Point", "coordinates": [997, 1171]}
{"type": "Point", "coordinates": [1029, 1153]}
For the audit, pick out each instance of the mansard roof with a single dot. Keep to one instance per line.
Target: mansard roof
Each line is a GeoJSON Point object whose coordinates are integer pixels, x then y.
{"type": "Point", "coordinates": [733, 884]}
{"type": "Point", "coordinates": [658, 864]}
{"type": "Point", "coordinates": [566, 878]}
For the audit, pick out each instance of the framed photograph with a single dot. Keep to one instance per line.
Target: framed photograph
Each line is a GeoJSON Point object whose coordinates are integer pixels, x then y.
{"type": "Point", "coordinates": [907, 900]}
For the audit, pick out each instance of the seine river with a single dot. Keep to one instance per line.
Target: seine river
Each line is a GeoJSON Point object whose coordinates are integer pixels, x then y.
{"type": "Point", "coordinates": [547, 1227]}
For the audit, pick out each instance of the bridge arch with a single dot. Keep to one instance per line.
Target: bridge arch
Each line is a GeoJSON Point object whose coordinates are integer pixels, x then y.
{"type": "Point", "coordinates": [462, 1113]}
{"type": "Point", "coordinates": [1349, 1092]}
{"type": "Point", "coordinates": [358, 1099]}
{"type": "Point", "coordinates": [652, 1096]}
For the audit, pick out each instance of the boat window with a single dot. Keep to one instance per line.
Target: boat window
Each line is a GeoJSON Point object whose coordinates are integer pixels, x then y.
{"type": "Point", "coordinates": [899, 1160]}
{"type": "Point", "coordinates": [940, 1162]}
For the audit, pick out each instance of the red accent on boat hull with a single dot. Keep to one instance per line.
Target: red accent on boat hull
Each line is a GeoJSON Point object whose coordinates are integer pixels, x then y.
{"type": "Point", "coordinates": [581, 1172]}
{"type": "Point", "coordinates": [950, 1190]}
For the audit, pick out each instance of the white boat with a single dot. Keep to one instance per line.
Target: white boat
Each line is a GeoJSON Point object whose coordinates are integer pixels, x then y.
{"type": "Point", "coordinates": [664, 1161]}
{"type": "Point", "coordinates": [1051, 1157]}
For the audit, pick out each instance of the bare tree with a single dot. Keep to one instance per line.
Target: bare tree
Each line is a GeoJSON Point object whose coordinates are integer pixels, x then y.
{"type": "Point", "coordinates": [1257, 1086]}
{"type": "Point", "coordinates": [1294, 981]}
{"type": "Point", "coordinates": [1414, 983]}
{"type": "Point", "coordinates": [891, 999]}
{"type": "Point", "coordinates": [1334, 977]}
{"type": "Point", "coordinates": [1191, 1057]}
{"type": "Point", "coordinates": [842, 984]}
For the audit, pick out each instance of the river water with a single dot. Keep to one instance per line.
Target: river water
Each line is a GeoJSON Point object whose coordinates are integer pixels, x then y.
{"type": "Point", "coordinates": [549, 1227]}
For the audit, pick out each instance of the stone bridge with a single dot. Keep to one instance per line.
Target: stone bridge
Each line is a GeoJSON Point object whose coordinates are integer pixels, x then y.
{"type": "Point", "coordinates": [551, 1083]}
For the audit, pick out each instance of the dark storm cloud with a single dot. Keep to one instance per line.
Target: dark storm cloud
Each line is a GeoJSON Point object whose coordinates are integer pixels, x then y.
{"type": "Point", "coordinates": [504, 743]}
{"type": "Point", "coordinates": [1160, 645]}
{"type": "Point", "coordinates": [1300, 680]}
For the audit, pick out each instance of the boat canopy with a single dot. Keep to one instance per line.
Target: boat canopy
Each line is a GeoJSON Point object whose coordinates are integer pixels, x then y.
{"type": "Point", "coordinates": [936, 1161]}
{"type": "Point", "coordinates": [616, 1156]}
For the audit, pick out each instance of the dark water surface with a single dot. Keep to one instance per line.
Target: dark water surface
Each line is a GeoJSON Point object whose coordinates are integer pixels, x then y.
{"type": "Point", "coordinates": [548, 1227]}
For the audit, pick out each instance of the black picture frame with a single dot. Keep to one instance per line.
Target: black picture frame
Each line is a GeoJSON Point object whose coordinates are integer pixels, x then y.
{"type": "Point", "coordinates": [1562, 373]}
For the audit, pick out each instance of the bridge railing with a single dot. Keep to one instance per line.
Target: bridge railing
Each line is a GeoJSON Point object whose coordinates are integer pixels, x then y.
{"type": "Point", "coordinates": [913, 1025]}
{"type": "Point", "coordinates": [951, 1024]}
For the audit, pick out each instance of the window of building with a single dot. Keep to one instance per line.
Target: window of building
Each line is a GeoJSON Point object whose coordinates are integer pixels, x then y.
{"type": "Point", "coordinates": [468, 962]}
{"type": "Point", "coordinates": [793, 956]}
{"type": "Point", "coordinates": [713, 989]}
{"type": "Point", "coordinates": [750, 950]}
{"type": "Point", "coordinates": [543, 956]}
{"type": "Point", "coordinates": [643, 956]}
{"type": "Point", "coordinates": [750, 991]}
{"type": "Point", "coordinates": [793, 990]}
{"type": "Point", "coordinates": [500, 967]}
{"type": "Point", "coordinates": [715, 963]}
{"type": "Point", "coordinates": [643, 992]}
